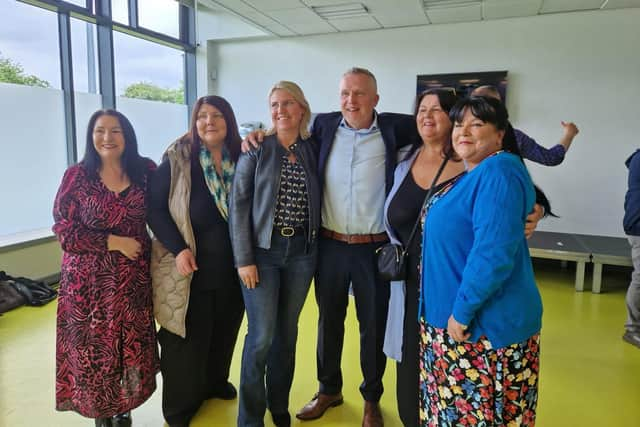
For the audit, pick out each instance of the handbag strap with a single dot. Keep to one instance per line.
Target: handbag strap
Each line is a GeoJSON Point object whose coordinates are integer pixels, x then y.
{"type": "Point", "coordinates": [426, 200]}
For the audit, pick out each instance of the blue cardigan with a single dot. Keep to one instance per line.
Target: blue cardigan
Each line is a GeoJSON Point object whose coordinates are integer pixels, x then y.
{"type": "Point", "coordinates": [476, 262]}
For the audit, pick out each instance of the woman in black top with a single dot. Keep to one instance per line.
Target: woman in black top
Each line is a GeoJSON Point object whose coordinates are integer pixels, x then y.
{"type": "Point", "coordinates": [275, 215]}
{"type": "Point", "coordinates": [412, 180]}
{"type": "Point", "coordinates": [188, 214]}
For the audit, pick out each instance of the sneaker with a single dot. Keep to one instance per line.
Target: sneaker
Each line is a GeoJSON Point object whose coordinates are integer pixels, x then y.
{"type": "Point", "coordinates": [631, 338]}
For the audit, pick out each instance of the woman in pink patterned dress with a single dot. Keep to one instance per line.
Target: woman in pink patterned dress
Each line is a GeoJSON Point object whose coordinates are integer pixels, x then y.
{"type": "Point", "coordinates": [106, 358]}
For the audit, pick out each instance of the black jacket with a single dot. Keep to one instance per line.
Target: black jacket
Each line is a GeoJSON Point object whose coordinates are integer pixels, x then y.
{"type": "Point", "coordinates": [255, 190]}
{"type": "Point", "coordinates": [631, 221]}
{"type": "Point", "coordinates": [398, 130]}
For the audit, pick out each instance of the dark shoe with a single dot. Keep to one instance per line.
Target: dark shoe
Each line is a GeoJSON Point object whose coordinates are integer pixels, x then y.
{"type": "Point", "coordinates": [631, 338]}
{"type": "Point", "coordinates": [281, 420]}
{"type": "Point", "coordinates": [372, 415]}
{"type": "Point", "coordinates": [318, 405]}
{"type": "Point", "coordinates": [103, 422]}
{"type": "Point", "coordinates": [225, 392]}
{"type": "Point", "coordinates": [121, 420]}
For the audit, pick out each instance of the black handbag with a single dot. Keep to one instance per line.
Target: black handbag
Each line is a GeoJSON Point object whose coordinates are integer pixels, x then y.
{"type": "Point", "coordinates": [392, 256]}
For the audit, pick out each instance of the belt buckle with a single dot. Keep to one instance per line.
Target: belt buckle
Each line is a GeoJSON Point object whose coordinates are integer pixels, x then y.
{"type": "Point", "coordinates": [287, 231]}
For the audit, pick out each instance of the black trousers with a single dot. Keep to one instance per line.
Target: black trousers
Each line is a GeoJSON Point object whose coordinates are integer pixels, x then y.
{"type": "Point", "coordinates": [408, 370]}
{"type": "Point", "coordinates": [341, 264]}
{"type": "Point", "coordinates": [193, 366]}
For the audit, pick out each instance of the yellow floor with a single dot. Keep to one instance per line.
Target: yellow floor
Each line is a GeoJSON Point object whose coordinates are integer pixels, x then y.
{"type": "Point", "coordinates": [589, 376]}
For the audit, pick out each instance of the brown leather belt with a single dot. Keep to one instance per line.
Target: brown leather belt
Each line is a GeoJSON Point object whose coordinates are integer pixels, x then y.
{"type": "Point", "coordinates": [354, 238]}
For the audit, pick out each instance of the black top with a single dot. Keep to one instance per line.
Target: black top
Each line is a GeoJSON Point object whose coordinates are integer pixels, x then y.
{"type": "Point", "coordinates": [292, 207]}
{"type": "Point", "coordinates": [213, 245]}
{"type": "Point", "coordinates": [404, 210]}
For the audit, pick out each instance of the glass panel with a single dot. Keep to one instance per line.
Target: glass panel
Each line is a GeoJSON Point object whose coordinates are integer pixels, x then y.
{"type": "Point", "coordinates": [161, 16]}
{"type": "Point", "coordinates": [33, 156]}
{"type": "Point", "coordinates": [28, 45]}
{"type": "Point", "coordinates": [86, 105]}
{"type": "Point", "coordinates": [31, 117]}
{"type": "Point", "coordinates": [120, 11]}
{"type": "Point", "coordinates": [81, 3]}
{"type": "Point", "coordinates": [153, 140]}
{"type": "Point", "coordinates": [84, 50]}
{"type": "Point", "coordinates": [147, 70]}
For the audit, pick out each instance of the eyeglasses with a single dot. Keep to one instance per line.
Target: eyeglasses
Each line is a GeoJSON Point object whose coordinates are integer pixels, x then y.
{"type": "Point", "coordinates": [287, 103]}
{"type": "Point", "coordinates": [211, 116]}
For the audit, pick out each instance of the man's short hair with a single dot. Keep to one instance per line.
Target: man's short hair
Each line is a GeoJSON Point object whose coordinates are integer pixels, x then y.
{"type": "Point", "coordinates": [359, 70]}
{"type": "Point", "coordinates": [487, 90]}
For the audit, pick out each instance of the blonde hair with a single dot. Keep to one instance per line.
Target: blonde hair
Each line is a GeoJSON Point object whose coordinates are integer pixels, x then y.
{"type": "Point", "coordinates": [295, 91]}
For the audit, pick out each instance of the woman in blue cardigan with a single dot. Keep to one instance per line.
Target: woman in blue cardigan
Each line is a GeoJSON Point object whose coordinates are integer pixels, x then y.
{"type": "Point", "coordinates": [480, 310]}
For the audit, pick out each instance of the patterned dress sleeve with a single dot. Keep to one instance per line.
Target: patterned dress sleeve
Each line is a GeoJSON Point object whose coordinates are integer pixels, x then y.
{"type": "Point", "coordinates": [73, 234]}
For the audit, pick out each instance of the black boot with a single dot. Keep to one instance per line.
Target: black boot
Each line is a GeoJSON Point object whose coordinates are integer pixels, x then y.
{"type": "Point", "coordinates": [103, 422]}
{"type": "Point", "coordinates": [121, 420]}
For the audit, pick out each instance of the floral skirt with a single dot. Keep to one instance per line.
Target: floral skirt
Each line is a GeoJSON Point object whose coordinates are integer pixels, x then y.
{"type": "Point", "coordinates": [472, 384]}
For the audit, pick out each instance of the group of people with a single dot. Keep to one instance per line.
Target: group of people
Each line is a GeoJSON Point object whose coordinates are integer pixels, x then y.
{"type": "Point", "coordinates": [236, 232]}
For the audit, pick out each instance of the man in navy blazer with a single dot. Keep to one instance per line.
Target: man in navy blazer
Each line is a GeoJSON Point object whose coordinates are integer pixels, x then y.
{"type": "Point", "coordinates": [357, 157]}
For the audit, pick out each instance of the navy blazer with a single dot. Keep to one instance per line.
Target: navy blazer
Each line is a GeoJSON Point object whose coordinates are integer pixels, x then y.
{"type": "Point", "coordinates": [398, 130]}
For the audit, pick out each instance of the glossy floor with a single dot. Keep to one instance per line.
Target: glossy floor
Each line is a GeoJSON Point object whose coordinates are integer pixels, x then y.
{"type": "Point", "coordinates": [589, 376]}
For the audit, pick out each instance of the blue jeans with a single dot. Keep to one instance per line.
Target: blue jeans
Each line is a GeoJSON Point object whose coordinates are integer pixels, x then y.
{"type": "Point", "coordinates": [273, 308]}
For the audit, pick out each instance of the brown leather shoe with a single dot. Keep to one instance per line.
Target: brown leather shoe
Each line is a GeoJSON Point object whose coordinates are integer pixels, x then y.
{"type": "Point", "coordinates": [318, 405]}
{"type": "Point", "coordinates": [372, 415]}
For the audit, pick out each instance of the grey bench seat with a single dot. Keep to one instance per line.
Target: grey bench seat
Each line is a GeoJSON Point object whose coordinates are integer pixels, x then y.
{"type": "Point", "coordinates": [605, 250]}
{"type": "Point", "coordinates": [561, 246]}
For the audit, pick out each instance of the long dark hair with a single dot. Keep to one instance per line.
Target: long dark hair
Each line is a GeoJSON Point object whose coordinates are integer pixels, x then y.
{"type": "Point", "coordinates": [447, 99]}
{"type": "Point", "coordinates": [232, 141]}
{"type": "Point", "coordinates": [134, 165]}
{"type": "Point", "coordinates": [492, 110]}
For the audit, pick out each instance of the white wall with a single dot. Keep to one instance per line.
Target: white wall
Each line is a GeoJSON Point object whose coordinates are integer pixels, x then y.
{"type": "Point", "coordinates": [580, 66]}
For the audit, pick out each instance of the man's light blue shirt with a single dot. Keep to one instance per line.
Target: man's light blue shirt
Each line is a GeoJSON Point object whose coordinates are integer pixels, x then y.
{"type": "Point", "coordinates": [354, 181]}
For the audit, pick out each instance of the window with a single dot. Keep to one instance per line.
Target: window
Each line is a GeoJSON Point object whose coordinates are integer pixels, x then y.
{"type": "Point", "coordinates": [31, 117]}
{"type": "Point", "coordinates": [29, 45]}
{"type": "Point", "coordinates": [147, 70]}
{"type": "Point", "coordinates": [35, 103]}
{"type": "Point", "coordinates": [161, 16]}
{"type": "Point", "coordinates": [84, 49]}
{"type": "Point", "coordinates": [150, 86]}
{"type": "Point", "coordinates": [120, 11]}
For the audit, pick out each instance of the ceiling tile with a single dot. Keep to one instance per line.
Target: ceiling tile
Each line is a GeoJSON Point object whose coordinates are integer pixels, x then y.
{"type": "Point", "coordinates": [399, 19]}
{"type": "Point", "coordinates": [260, 18]}
{"type": "Point", "coordinates": [237, 6]}
{"type": "Point", "coordinates": [308, 28]}
{"type": "Point", "coordinates": [443, 15]}
{"type": "Point", "coordinates": [298, 15]}
{"type": "Point", "coordinates": [496, 9]}
{"type": "Point", "coordinates": [280, 30]}
{"type": "Point", "coordinates": [552, 6]}
{"type": "Point", "coordinates": [355, 24]}
{"type": "Point", "coordinates": [393, 15]}
{"type": "Point", "coordinates": [270, 5]}
{"type": "Point", "coordinates": [616, 4]}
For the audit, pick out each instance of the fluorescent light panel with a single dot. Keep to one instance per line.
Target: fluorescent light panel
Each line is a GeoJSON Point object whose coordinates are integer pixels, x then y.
{"type": "Point", "coordinates": [443, 4]}
{"type": "Point", "coordinates": [340, 11]}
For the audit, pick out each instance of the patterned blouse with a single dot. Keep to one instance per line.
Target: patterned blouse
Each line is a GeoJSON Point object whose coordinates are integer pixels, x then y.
{"type": "Point", "coordinates": [292, 207]}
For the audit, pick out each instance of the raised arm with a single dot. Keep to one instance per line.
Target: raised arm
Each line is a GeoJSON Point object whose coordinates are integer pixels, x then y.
{"type": "Point", "coordinates": [553, 156]}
